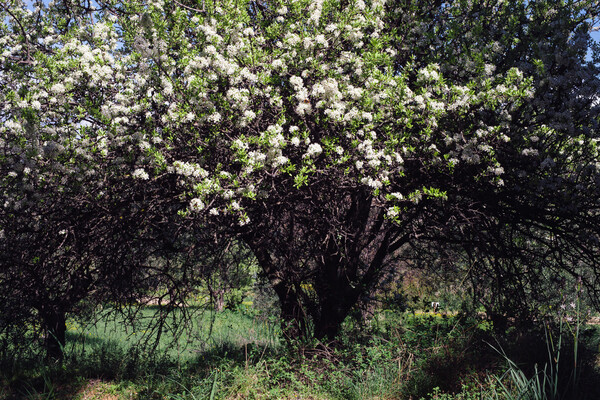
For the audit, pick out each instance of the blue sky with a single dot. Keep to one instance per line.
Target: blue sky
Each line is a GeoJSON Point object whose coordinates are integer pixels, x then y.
{"type": "Point", "coordinates": [595, 37]}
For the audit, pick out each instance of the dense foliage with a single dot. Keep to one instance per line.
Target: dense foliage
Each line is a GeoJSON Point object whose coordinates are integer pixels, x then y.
{"type": "Point", "coordinates": [337, 139]}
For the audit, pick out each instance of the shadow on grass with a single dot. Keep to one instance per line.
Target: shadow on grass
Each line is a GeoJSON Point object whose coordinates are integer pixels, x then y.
{"type": "Point", "coordinates": [96, 360]}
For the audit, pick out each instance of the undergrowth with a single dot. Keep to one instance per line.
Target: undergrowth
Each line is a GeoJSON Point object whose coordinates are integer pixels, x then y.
{"type": "Point", "coordinates": [395, 356]}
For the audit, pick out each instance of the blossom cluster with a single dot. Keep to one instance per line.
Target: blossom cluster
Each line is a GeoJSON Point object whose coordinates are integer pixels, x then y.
{"type": "Point", "coordinates": [236, 109]}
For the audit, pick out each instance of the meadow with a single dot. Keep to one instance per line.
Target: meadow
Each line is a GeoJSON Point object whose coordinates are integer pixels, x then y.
{"type": "Point", "coordinates": [239, 354]}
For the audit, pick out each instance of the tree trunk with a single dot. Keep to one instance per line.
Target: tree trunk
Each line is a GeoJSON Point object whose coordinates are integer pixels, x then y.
{"type": "Point", "coordinates": [294, 319]}
{"type": "Point", "coordinates": [217, 298]}
{"type": "Point", "coordinates": [294, 324]}
{"type": "Point", "coordinates": [317, 275]}
{"type": "Point", "coordinates": [335, 303]}
{"type": "Point", "coordinates": [328, 326]}
{"type": "Point", "coordinates": [55, 328]}
{"type": "Point", "coordinates": [219, 301]}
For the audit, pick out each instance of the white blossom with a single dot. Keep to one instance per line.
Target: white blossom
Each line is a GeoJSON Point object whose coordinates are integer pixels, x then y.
{"type": "Point", "coordinates": [140, 173]}
{"type": "Point", "coordinates": [215, 117]}
{"type": "Point", "coordinates": [314, 149]}
{"type": "Point", "coordinates": [58, 88]}
{"type": "Point", "coordinates": [197, 205]}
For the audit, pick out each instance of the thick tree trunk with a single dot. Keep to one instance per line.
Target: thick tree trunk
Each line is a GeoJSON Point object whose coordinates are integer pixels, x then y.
{"type": "Point", "coordinates": [335, 302]}
{"type": "Point", "coordinates": [294, 318]}
{"type": "Point", "coordinates": [219, 301]}
{"type": "Point", "coordinates": [328, 326]}
{"type": "Point", "coordinates": [55, 328]}
{"type": "Point", "coordinates": [336, 294]}
{"type": "Point", "coordinates": [294, 323]}
{"type": "Point", "coordinates": [319, 272]}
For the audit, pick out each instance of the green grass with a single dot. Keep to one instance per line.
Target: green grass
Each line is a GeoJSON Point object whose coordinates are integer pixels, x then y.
{"type": "Point", "coordinates": [238, 355]}
{"type": "Point", "coordinates": [204, 332]}
{"type": "Point", "coordinates": [118, 354]}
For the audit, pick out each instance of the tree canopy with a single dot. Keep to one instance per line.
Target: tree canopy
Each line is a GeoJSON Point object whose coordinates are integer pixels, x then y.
{"type": "Point", "coordinates": [338, 139]}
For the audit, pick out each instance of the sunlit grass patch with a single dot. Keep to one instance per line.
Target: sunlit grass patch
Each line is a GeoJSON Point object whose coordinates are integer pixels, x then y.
{"type": "Point", "coordinates": [96, 389]}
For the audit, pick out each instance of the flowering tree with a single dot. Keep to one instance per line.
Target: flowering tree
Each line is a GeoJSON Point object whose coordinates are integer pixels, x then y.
{"type": "Point", "coordinates": [330, 136]}
{"type": "Point", "coordinates": [76, 224]}
{"type": "Point", "coordinates": [542, 226]}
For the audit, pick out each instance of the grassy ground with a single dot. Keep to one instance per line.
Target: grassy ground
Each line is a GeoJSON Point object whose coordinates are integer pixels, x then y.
{"type": "Point", "coordinates": [205, 331]}
{"type": "Point", "coordinates": [238, 355]}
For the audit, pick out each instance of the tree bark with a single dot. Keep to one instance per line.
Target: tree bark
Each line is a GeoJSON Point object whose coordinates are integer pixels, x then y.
{"type": "Point", "coordinates": [294, 319]}
{"type": "Point", "coordinates": [55, 328]}
{"type": "Point", "coordinates": [217, 298]}
{"type": "Point", "coordinates": [336, 297]}
{"type": "Point", "coordinates": [332, 316]}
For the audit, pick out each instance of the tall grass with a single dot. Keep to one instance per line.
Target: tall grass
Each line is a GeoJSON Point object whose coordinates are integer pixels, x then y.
{"type": "Point", "coordinates": [237, 355]}
{"type": "Point", "coordinates": [557, 378]}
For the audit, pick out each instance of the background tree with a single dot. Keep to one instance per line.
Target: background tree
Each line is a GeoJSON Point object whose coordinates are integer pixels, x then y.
{"type": "Point", "coordinates": [544, 220]}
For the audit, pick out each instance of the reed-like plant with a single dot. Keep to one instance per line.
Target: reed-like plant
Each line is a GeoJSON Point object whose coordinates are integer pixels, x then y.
{"type": "Point", "coordinates": [548, 382]}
